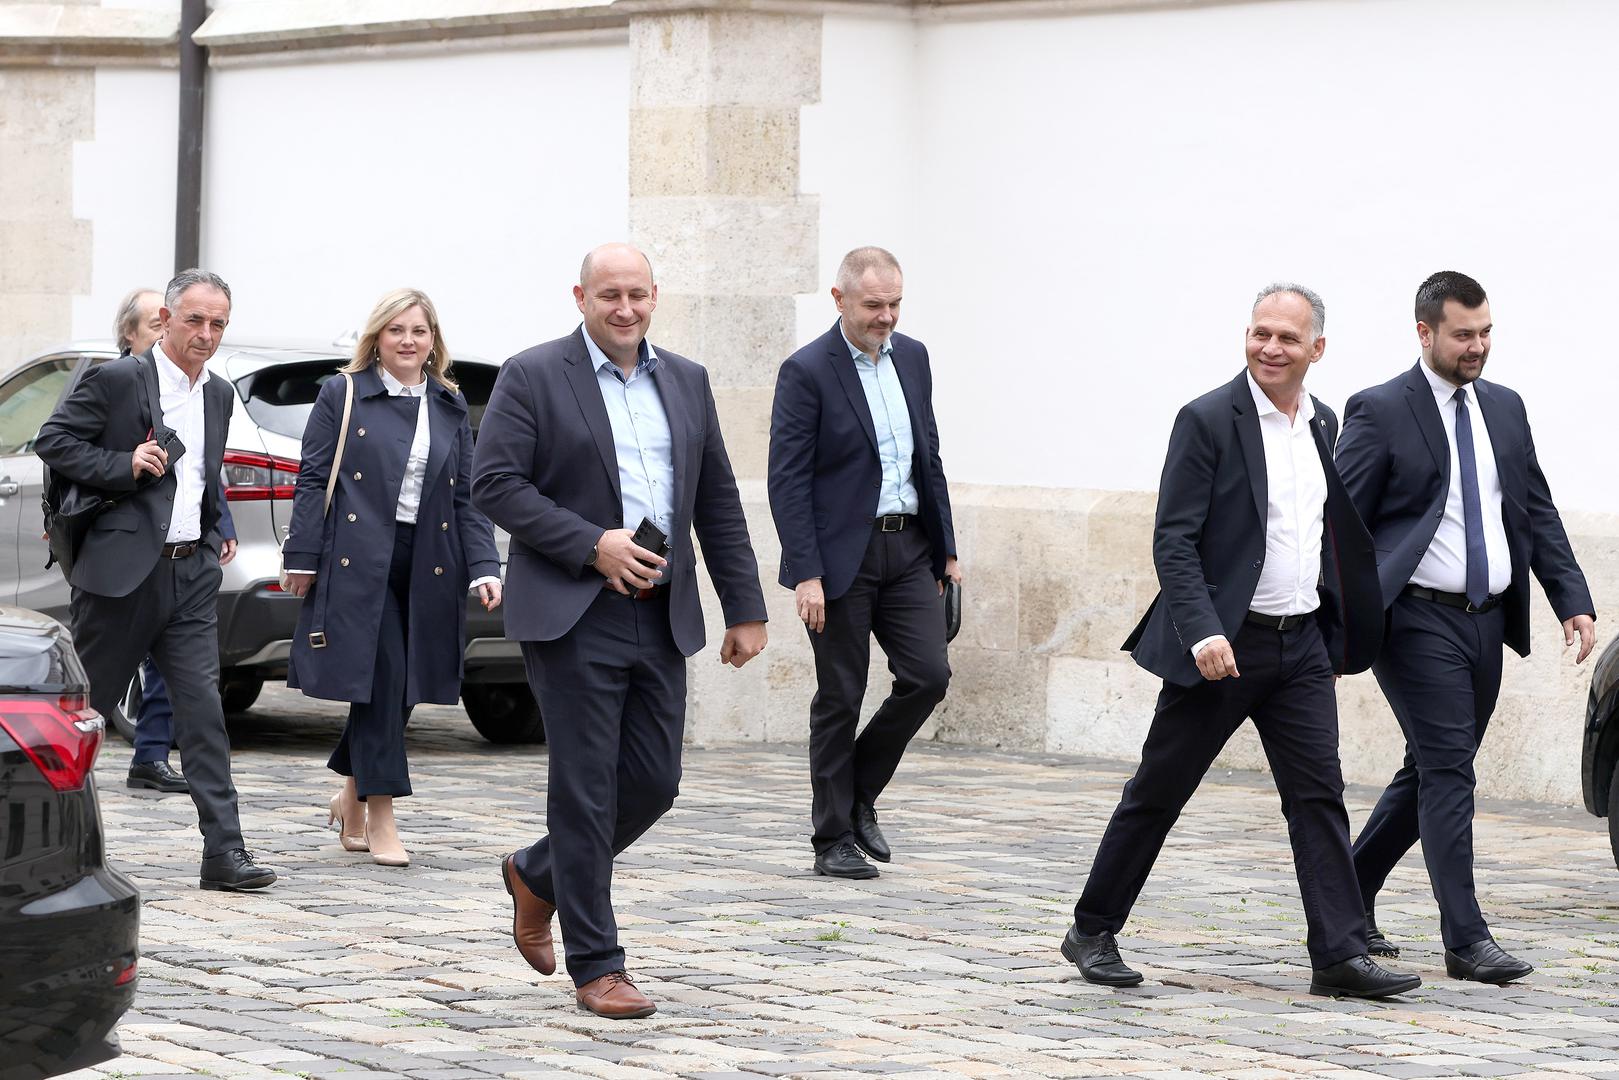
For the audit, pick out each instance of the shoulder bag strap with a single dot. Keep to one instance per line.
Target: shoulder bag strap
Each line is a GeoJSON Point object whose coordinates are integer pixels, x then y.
{"type": "Point", "coordinates": [342, 437]}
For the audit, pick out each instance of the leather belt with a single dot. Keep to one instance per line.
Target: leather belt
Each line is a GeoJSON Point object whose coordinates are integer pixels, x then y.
{"type": "Point", "coordinates": [1284, 623]}
{"type": "Point", "coordinates": [896, 522]}
{"type": "Point", "coordinates": [1452, 599]}
{"type": "Point", "coordinates": [180, 551]}
{"type": "Point", "coordinates": [650, 594]}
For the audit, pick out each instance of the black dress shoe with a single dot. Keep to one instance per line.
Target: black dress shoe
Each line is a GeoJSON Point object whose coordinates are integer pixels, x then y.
{"type": "Point", "coordinates": [1485, 962]}
{"type": "Point", "coordinates": [235, 870]}
{"type": "Point", "coordinates": [842, 860]}
{"type": "Point", "coordinates": [1376, 943]}
{"type": "Point", "coordinates": [1361, 978]}
{"type": "Point", "coordinates": [156, 775]}
{"type": "Point", "coordinates": [866, 833]}
{"type": "Point", "coordinates": [1098, 960]}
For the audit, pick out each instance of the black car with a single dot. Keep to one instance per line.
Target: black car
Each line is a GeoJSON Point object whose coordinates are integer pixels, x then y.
{"type": "Point", "coordinates": [1599, 760]}
{"type": "Point", "coordinates": [69, 925]}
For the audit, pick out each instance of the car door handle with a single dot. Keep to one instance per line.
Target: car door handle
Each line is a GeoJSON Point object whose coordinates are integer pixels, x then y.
{"type": "Point", "coordinates": [9, 487]}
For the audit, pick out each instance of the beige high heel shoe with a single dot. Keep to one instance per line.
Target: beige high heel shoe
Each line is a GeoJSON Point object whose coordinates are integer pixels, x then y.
{"type": "Point", "coordinates": [334, 821]}
{"type": "Point", "coordinates": [386, 850]}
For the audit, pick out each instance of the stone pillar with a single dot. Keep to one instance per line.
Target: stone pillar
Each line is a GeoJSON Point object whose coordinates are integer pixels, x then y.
{"type": "Point", "coordinates": [44, 249]}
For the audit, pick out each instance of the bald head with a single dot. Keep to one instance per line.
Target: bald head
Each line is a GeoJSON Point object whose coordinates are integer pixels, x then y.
{"type": "Point", "coordinates": [615, 255]}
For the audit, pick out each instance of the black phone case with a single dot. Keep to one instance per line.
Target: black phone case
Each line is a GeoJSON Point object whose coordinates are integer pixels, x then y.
{"type": "Point", "coordinates": [650, 537]}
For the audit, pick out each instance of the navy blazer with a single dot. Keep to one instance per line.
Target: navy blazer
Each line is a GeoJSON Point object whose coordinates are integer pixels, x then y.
{"type": "Point", "coordinates": [351, 548]}
{"type": "Point", "coordinates": [90, 439]}
{"type": "Point", "coordinates": [1395, 460]}
{"type": "Point", "coordinates": [825, 476]}
{"type": "Point", "coordinates": [546, 472]}
{"type": "Point", "coordinates": [1209, 541]}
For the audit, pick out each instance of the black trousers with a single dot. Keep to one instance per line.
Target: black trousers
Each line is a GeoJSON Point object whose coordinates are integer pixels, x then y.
{"type": "Point", "coordinates": [1440, 669]}
{"type": "Point", "coordinates": [372, 747]}
{"type": "Point", "coordinates": [896, 598]}
{"type": "Point", "coordinates": [613, 694]}
{"type": "Point", "coordinates": [1286, 686]}
{"type": "Point", "coordinates": [173, 617]}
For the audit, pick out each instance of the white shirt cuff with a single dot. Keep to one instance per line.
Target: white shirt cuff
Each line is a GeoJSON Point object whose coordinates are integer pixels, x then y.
{"type": "Point", "coordinates": [483, 581]}
{"type": "Point", "coordinates": [1197, 648]}
{"type": "Point", "coordinates": [310, 573]}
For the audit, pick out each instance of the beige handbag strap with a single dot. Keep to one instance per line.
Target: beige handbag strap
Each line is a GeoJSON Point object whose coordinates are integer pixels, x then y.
{"type": "Point", "coordinates": [342, 437]}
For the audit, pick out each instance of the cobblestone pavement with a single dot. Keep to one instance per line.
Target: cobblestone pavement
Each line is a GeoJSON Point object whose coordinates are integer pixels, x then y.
{"type": "Point", "coordinates": [946, 966]}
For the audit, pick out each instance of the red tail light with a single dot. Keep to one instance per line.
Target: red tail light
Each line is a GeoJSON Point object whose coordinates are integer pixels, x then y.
{"type": "Point", "coordinates": [60, 737]}
{"type": "Point", "coordinates": [252, 477]}
{"type": "Point", "coordinates": [127, 974]}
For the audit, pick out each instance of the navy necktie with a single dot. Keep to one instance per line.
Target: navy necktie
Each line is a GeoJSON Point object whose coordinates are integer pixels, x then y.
{"type": "Point", "coordinates": [1478, 564]}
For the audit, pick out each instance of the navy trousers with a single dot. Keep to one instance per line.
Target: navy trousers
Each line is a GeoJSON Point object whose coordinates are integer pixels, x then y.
{"type": "Point", "coordinates": [613, 694]}
{"type": "Point", "coordinates": [1440, 669]}
{"type": "Point", "coordinates": [1287, 688]}
{"type": "Point", "coordinates": [372, 748]}
{"type": "Point", "coordinates": [895, 598]}
{"type": "Point", "coordinates": [154, 732]}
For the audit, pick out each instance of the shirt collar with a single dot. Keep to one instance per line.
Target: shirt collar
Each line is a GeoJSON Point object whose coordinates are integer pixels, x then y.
{"type": "Point", "coordinates": [647, 356]}
{"type": "Point", "coordinates": [857, 353]}
{"type": "Point", "coordinates": [396, 388]}
{"type": "Point", "coordinates": [1443, 388]}
{"type": "Point", "coordinates": [1266, 406]}
{"type": "Point", "coordinates": [171, 374]}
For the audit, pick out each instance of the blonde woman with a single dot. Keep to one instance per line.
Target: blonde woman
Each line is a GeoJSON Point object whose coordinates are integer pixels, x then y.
{"type": "Point", "coordinates": [383, 571]}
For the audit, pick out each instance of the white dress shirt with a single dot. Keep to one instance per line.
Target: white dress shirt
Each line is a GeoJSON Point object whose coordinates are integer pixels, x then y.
{"type": "Point", "coordinates": [185, 412]}
{"type": "Point", "coordinates": [1444, 566]}
{"type": "Point", "coordinates": [1295, 511]}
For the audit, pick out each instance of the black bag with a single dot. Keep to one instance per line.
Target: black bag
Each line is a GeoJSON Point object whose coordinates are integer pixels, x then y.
{"type": "Point", "coordinates": [69, 512]}
{"type": "Point", "coordinates": [952, 610]}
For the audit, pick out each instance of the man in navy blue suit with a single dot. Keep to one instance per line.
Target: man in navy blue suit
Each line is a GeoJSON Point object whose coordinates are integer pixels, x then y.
{"type": "Point", "coordinates": [584, 438]}
{"type": "Point", "coordinates": [1442, 468]}
{"type": "Point", "coordinates": [860, 503]}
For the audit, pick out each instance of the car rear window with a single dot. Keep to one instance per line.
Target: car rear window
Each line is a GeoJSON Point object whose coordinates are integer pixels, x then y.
{"type": "Point", "coordinates": [279, 398]}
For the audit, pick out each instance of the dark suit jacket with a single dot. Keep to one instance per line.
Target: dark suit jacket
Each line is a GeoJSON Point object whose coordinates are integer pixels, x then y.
{"type": "Point", "coordinates": [1395, 461]}
{"type": "Point", "coordinates": [1209, 542]}
{"type": "Point", "coordinates": [453, 543]}
{"type": "Point", "coordinates": [825, 477]}
{"type": "Point", "coordinates": [546, 472]}
{"type": "Point", "coordinates": [90, 439]}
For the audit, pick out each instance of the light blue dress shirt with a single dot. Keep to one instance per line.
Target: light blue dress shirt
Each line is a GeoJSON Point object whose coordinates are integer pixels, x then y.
{"type": "Point", "coordinates": [641, 440]}
{"type": "Point", "coordinates": [892, 421]}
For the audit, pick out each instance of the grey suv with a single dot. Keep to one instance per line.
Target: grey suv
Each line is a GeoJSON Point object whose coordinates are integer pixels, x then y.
{"type": "Point", "coordinates": [275, 386]}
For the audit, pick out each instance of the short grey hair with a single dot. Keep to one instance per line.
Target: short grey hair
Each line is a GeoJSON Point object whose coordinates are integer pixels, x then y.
{"type": "Point", "coordinates": [187, 278]}
{"type": "Point", "coordinates": [857, 262]}
{"type": "Point", "coordinates": [1318, 308]}
{"type": "Point", "coordinates": [129, 313]}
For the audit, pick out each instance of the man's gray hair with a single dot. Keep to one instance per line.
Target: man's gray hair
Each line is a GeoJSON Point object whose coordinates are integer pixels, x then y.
{"type": "Point", "coordinates": [129, 313]}
{"type": "Point", "coordinates": [187, 278]}
{"type": "Point", "coordinates": [857, 262]}
{"type": "Point", "coordinates": [1318, 308]}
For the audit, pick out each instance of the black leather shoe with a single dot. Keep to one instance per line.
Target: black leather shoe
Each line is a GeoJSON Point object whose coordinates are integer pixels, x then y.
{"type": "Point", "coordinates": [866, 833]}
{"type": "Point", "coordinates": [235, 870]}
{"type": "Point", "coordinates": [156, 775]}
{"type": "Point", "coordinates": [843, 860]}
{"type": "Point", "coordinates": [1485, 962]}
{"type": "Point", "coordinates": [1376, 943]}
{"type": "Point", "coordinates": [1098, 960]}
{"type": "Point", "coordinates": [1361, 978]}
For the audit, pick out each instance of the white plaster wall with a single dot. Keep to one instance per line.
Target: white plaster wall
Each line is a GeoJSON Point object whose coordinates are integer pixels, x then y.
{"type": "Point", "coordinates": [123, 183]}
{"type": "Point", "coordinates": [1096, 199]}
{"type": "Point", "coordinates": [481, 177]}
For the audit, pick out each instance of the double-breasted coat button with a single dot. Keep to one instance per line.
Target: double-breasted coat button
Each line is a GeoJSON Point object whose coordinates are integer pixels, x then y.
{"type": "Point", "coordinates": [438, 571]}
{"type": "Point", "coordinates": [357, 475]}
{"type": "Point", "coordinates": [344, 561]}
{"type": "Point", "coordinates": [444, 526]}
{"type": "Point", "coordinates": [360, 432]}
{"type": "Point", "coordinates": [353, 518]}
{"type": "Point", "coordinates": [452, 481]}
{"type": "Point", "coordinates": [1257, 564]}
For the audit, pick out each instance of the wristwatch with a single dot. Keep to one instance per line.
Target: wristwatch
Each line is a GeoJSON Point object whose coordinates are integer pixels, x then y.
{"type": "Point", "coordinates": [590, 560]}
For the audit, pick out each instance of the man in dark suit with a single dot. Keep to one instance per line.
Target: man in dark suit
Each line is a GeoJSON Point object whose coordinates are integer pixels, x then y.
{"type": "Point", "coordinates": [1441, 465]}
{"type": "Point", "coordinates": [147, 433]}
{"type": "Point", "coordinates": [861, 505]}
{"type": "Point", "coordinates": [584, 438]}
{"type": "Point", "coordinates": [1268, 588]}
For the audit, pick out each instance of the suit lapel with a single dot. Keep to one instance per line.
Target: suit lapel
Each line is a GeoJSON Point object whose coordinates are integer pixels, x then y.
{"type": "Point", "coordinates": [1496, 421]}
{"type": "Point", "coordinates": [1419, 395]}
{"type": "Point", "coordinates": [674, 408]}
{"type": "Point", "coordinates": [582, 379]}
{"type": "Point", "coordinates": [1253, 445]}
{"type": "Point", "coordinates": [214, 423]}
{"type": "Point", "coordinates": [843, 365]}
{"type": "Point", "coordinates": [443, 420]}
{"type": "Point", "coordinates": [152, 399]}
{"type": "Point", "coordinates": [913, 403]}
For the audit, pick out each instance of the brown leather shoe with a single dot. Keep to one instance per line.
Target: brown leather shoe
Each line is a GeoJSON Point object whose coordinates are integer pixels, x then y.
{"type": "Point", "coordinates": [614, 996]}
{"type": "Point", "coordinates": [531, 922]}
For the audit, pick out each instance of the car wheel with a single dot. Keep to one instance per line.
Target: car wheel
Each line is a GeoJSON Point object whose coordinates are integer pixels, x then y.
{"type": "Point", "coordinates": [238, 690]}
{"type": "Point", "coordinates": [504, 712]}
